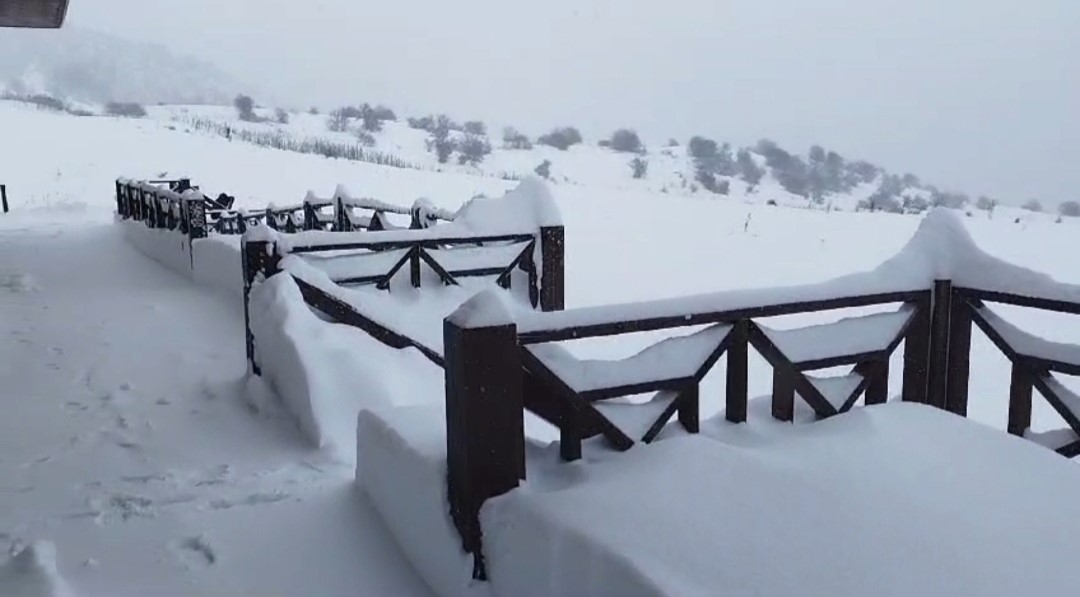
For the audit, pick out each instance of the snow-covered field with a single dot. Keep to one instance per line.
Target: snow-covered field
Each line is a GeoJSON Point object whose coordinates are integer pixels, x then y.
{"type": "Point", "coordinates": [131, 440]}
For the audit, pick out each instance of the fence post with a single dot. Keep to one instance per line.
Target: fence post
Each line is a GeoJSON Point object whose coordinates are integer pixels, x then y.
{"type": "Point", "coordinates": [938, 384]}
{"type": "Point", "coordinates": [959, 363]}
{"type": "Point", "coordinates": [917, 352]}
{"type": "Point", "coordinates": [119, 200]}
{"type": "Point", "coordinates": [259, 258]}
{"type": "Point", "coordinates": [552, 268]}
{"type": "Point", "coordinates": [341, 216]}
{"type": "Point", "coordinates": [3, 196]}
{"type": "Point", "coordinates": [485, 441]}
{"type": "Point", "coordinates": [737, 364]}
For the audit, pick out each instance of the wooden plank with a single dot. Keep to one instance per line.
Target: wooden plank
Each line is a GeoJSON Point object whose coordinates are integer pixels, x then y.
{"type": "Point", "coordinates": [444, 275]}
{"type": "Point", "coordinates": [1023, 301]}
{"type": "Point", "coordinates": [1020, 400]}
{"type": "Point", "coordinates": [690, 409]}
{"type": "Point", "coordinates": [713, 358]}
{"type": "Point", "coordinates": [344, 313]}
{"type": "Point", "coordinates": [917, 353]}
{"type": "Point", "coordinates": [736, 398]}
{"type": "Point", "coordinates": [384, 284]}
{"type": "Point", "coordinates": [869, 371]}
{"type": "Point", "coordinates": [662, 420]}
{"type": "Point", "coordinates": [433, 242]}
{"type": "Point", "coordinates": [959, 358]}
{"type": "Point", "coordinates": [877, 392]}
{"type": "Point", "coordinates": [778, 360]}
{"type": "Point", "coordinates": [941, 312]}
{"type": "Point", "coordinates": [1070, 450]}
{"type": "Point", "coordinates": [783, 396]}
{"type": "Point", "coordinates": [1071, 418]}
{"type": "Point", "coordinates": [657, 385]}
{"type": "Point", "coordinates": [648, 324]}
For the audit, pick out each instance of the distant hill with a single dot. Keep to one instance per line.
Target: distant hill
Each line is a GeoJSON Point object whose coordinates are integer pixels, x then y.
{"type": "Point", "coordinates": [87, 66]}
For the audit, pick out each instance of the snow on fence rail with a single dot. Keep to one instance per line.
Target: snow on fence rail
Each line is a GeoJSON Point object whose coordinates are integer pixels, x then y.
{"type": "Point", "coordinates": [501, 362]}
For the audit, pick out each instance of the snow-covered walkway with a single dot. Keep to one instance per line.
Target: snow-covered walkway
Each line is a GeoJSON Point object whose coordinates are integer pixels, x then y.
{"type": "Point", "coordinates": [129, 438]}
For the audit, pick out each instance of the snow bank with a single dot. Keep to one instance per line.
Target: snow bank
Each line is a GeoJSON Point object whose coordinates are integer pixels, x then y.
{"type": "Point", "coordinates": [816, 513]}
{"type": "Point", "coordinates": [308, 368]}
{"type": "Point", "coordinates": [401, 466]}
{"type": "Point", "coordinates": [32, 572]}
{"type": "Point", "coordinates": [213, 262]}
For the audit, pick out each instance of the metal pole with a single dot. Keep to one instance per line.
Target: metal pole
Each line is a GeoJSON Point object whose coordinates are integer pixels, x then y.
{"type": "Point", "coordinates": [3, 196]}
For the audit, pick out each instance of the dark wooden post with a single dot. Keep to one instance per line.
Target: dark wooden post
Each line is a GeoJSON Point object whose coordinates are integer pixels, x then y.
{"type": "Point", "coordinates": [1020, 400]}
{"type": "Point", "coordinates": [341, 216]}
{"type": "Point", "coordinates": [877, 391]}
{"type": "Point", "coordinates": [690, 408]}
{"type": "Point", "coordinates": [260, 259]}
{"type": "Point", "coordinates": [414, 266]}
{"type": "Point", "coordinates": [959, 365]}
{"type": "Point", "coordinates": [271, 220]}
{"type": "Point", "coordinates": [917, 353]}
{"type": "Point", "coordinates": [737, 363]}
{"type": "Point", "coordinates": [783, 396]}
{"type": "Point", "coordinates": [311, 219]}
{"type": "Point", "coordinates": [485, 437]}
{"type": "Point", "coordinates": [195, 215]}
{"type": "Point", "coordinates": [552, 268]}
{"type": "Point", "coordinates": [3, 197]}
{"type": "Point", "coordinates": [119, 200]}
{"type": "Point", "coordinates": [938, 384]}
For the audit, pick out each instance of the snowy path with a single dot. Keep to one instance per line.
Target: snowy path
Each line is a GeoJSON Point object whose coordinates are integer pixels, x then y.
{"type": "Point", "coordinates": [129, 439]}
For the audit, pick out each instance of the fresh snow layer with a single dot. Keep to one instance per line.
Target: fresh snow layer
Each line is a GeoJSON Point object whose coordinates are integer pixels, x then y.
{"type": "Point", "coordinates": [814, 514]}
{"type": "Point", "coordinates": [32, 572]}
{"type": "Point", "coordinates": [848, 336]}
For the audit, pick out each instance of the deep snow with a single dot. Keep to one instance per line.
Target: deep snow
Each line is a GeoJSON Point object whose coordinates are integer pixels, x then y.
{"type": "Point", "coordinates": [146, 484]}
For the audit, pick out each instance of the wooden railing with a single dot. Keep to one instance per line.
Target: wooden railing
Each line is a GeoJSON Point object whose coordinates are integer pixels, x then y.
{"type": "Point", "coordinates": [495, 373]}
{"type": "Point", "coordinates": [538, 255]}
{"type": "Point", "coordinates": [163, 204]}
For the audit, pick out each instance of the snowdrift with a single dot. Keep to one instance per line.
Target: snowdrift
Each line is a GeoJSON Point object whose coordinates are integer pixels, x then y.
{"type": "Point", "coordinates": [213, 261]}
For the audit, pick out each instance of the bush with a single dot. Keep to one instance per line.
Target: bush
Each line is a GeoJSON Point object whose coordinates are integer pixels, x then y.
{"type": "Point", "coordinates": [1069, 209]}
{"type": "Point", "coordinates": [748, 169]}
{"type": "Point", "coordinates": [337, 121]}
{"type": "Point", "coordinates": [672, 142]}
{"type": "Point", "coordinates": [424, 123]}
{"type": "Point", "coordinates": [46, 101]}
{"type": "Point", "coordinates": [475, 127]}
{"type": "Point", "coordinates": [561, 138]}
{"type": "Point", "coordinates": [384, 113]}
{"type": "Point", "coordinates": [440, 141]}
{"type": "Point", "coordinates": [126, 109]}
{"type": "Point", "coordinates": [473, 149]}
{"type": "Point", "coordinates": [245, 107]}
{"type": "Point", "coordinates": [512, 139]}
{"type": "Point", "coordinates": [544, 169]}
{"type": "Point", "coordinates": [709, 182]}
{"type": "Point", "coordinates": [1033, 205]}
{"type": "Point", "coordinates": [701, 148]}
{"type": "Point", "coordinates": [915, 204]}
{"type": "Point", "coordinates": [365, 138]}
{"type": "Point", "coordinates": [313, 111]}
{"type": "Point", "coordinates": [627, 141]}
{"type": "Point", "coordinates": [282, 116]}
{"type": "Point", "coordinates": [639, 167]}
{"type": "Point", "coordinates": [985, 203]}
{"type": "Point", "coordinates": [880, 203]}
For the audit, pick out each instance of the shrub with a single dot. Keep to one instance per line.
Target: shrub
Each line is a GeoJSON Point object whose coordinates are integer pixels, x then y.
{"type": "Point", "coordinates": [915, 204]}
{"type": "Point", "coordinates": [424, 123]}
{"type": "Point", "coordinates": [544, 169]}
{"type": "Point", "coordinates": [626, 140]}
{"type": "Point", "coordinates": [365, 138]}
{"type": "Point", "coordinates": [475, 127]}
{"type": "Point", "coordinates": [561, 138]}
{"type": "Point", "coordinates": [337, 121]}
{"type": "Point", "coordinates": [46, 101]}
{"type": "Point", "coordinates": [384, 113]}
{"type": "Point", "coordinates": [672, 142]}
{"type": "Point", "coordinates": [985, 203]}
{"type": "Point", "coordinates": [440, 141]}
{"type": "Point", "coordinates": [701, 148]}
{"type": "Point", "coordinates": [512, 139]}
{"type": "Point", "coordinates": [313, 111]}
{"type": "Point", "coordinates": [282, 116]}
{"type": "Point", "coordinates": [245, 107]}
{"type": "Point", "coordinates": [126, 109]}
{"type": "Point", "coordinates": [748, 169]}
{"type": "Point", "coordinates": [639, 167]}
{"type": "Point", "coordinates": [472, 149]}
{"type": "Point", "coordinates": [1033, 205]}
{"type": "Point", "coordinates": [1069, 209]}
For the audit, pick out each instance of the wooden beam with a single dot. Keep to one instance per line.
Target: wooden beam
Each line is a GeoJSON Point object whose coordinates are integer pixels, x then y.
{"type": "Point", "coordinates": [737, 365]}
{"type": "Point", "coordinates": [807, 390]}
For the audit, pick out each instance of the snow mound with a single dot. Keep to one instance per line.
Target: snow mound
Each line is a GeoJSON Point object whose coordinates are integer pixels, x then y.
{"type": "Point", "coordinates": [32, 572]}
{"type": "Point", "coordinates": [18, 283]}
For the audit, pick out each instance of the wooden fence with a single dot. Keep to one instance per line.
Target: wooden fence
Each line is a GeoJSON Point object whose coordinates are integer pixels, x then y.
{"type": "Point", "coordinates": [494, 374]}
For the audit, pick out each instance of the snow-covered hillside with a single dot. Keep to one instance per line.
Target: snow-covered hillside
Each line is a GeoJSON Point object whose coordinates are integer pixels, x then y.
{"type": "Point", "coordinates": [133, 442]}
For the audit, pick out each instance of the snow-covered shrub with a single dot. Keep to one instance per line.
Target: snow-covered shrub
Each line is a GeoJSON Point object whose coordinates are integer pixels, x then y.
{"type": "Point", "coordinates": [544, 169]}
{"type": "Point", "coordinates": [128, 109]}
{"type": "Point", "coordinates": [985, 203]}
{"type": "Point", "coordinates": [282, 116]}
{"type": "Point", "coordinates": [626, 140]}
{"type": "Point", "coordinates": [701, 148]}
{"type": "Point", "coordinates": [561, 138]}
{"type": "Point", "coordinates": [423, 123]}
{"type": "Point", "coordinates": [245, 108]}
{"type": "Point", "coordinates": [365, 138]}
{"type": "Point", "coordinates": [1070, 209]}
{"type": "Point", "coordinates": [639, 167]}
{"type": "Point", "coordinates": [337, 121]}
{"type": "Point", "coordinates": [473, 149]}
{"type": "Point", "coordinates": [1033, 205]}
{"type": "Point", "coordinates": [440, 142]}
{"type": "Point", "coordinates": [475, 127]}
{"type": "Point", "coordinates": [748, 169]}
{"type": "Point", "coordinates": [513, 139]}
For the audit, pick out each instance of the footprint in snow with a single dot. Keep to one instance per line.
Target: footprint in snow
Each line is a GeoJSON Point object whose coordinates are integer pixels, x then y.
{"type": "Point", "coordinates": [197, 551]}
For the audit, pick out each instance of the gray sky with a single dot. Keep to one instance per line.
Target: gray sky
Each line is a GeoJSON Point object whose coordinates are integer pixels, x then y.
{"type": "Point", "coordinates": [978, 95]}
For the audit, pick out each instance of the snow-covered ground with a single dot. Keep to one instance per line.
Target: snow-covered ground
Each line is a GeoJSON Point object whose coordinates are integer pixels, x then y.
{"type": "Point", "coordinates": [132, 442]}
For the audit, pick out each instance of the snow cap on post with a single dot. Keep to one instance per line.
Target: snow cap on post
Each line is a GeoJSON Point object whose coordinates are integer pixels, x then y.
{"type": "Point", "coordinates": [529, 206]}
{"type": "Point", "coordinates": [486, 309]}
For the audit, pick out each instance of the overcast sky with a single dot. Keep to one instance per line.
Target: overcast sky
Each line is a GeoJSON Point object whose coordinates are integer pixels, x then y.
{"type": "Point", "coordinates": [977, 95]}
